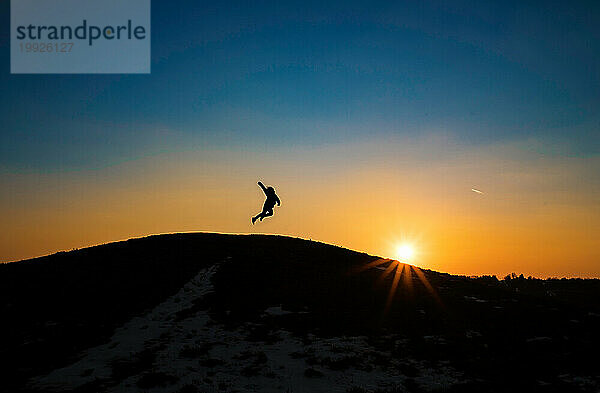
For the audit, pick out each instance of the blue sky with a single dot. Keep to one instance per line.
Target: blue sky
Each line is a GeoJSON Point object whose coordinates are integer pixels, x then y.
{"type": "Point", "coordinates": [379, 117]}
{"type": "Point", "coordinates": [272, 74]}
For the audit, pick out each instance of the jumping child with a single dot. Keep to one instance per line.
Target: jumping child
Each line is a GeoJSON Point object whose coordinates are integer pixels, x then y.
{"type": "Point", "coordinates": [272, 198]}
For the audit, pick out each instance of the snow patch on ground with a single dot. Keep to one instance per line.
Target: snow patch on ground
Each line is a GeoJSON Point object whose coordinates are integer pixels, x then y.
{"type": "Point", "coordinates": [474, 299]}
{"type": "Point", "coordinates": [177, 345]}
{"type": "Point", "coordinates": [276, 311]}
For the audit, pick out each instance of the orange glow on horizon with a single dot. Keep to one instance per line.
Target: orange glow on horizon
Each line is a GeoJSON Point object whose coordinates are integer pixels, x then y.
{"type": "Point", "coordinates": [531, 223]}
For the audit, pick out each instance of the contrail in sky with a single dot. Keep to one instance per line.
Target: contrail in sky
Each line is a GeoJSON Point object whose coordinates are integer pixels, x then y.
{"type": "Point", "coordinates": [477, 191]}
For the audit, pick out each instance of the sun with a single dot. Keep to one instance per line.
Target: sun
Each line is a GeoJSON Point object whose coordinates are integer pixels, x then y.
{"type": "Point", "coordinates": [404, 252]}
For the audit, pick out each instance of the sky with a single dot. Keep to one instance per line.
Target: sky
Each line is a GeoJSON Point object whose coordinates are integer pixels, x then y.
{"type": "Point", "coordinates": [373, 121]}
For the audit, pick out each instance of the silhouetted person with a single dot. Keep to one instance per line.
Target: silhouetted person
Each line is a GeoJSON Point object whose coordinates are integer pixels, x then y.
{"type": "Point", "coordinates": [272, 199]}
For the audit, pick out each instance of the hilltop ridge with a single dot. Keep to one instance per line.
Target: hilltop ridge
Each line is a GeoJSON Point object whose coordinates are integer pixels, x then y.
{"type": "Point", "coordinates": [475, 332]}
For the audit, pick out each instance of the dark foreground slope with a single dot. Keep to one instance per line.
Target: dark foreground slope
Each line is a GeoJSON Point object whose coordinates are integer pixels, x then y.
{"type": "Point", "coordinates": [524, 335]}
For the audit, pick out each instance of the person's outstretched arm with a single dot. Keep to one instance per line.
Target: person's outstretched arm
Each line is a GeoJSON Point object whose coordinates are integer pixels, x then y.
{"type": "Point", "coordinates": [278, 201]}
{"type": "Point", "coordinates": [263, 187]}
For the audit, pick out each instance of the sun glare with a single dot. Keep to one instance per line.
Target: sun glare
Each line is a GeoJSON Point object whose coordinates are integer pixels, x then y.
{"type": "Point", "coordinates": [404, 252]}
{"type": "Point", "coordinates": [400, 274]}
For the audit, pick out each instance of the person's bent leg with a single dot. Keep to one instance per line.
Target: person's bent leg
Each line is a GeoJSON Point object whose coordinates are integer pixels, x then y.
{"type": "Point", "coordinates": [263, 214]}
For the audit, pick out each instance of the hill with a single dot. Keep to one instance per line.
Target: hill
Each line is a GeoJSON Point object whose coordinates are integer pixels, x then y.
{"type": "Point", "coordinates": [210, 312]}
